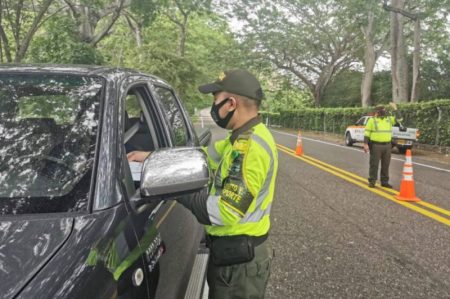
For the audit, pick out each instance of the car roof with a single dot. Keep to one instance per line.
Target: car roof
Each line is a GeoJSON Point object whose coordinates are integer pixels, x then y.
{"type": "Point", "coordinates": [107, 72]}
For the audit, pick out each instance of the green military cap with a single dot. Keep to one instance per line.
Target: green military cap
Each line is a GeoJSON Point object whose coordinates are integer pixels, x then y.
{"type": "Point", "coordinates": [380, 108]}
{"type": "Point", "coordinates": [238, 81]}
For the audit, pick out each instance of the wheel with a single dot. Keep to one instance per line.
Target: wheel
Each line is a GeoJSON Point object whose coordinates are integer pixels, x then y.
{"type": "Point", "coordinates": [348, 139]}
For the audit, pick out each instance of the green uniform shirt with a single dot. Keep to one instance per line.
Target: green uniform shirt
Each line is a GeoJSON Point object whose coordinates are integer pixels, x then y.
{"type": "Point", "coordinates": [244, 167]}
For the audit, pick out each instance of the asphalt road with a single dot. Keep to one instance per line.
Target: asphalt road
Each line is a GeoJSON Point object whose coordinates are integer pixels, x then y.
{"type": "Point", "coordinates": [336, 238]}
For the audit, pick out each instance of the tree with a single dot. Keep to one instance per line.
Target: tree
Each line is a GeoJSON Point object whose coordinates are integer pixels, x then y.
{"type": "Point", "coordinates": [58, 42]}
{"type": "Point", "coordinates": [95, 18]}
{"type": "Point", "coordinates": [210, 48]}
{"type": "Point", "coordinates": [308, 39]}
{"type": "Point", "coordinates": [19, 21]}
{"type": "Point", "coordinates": [375, 43]}
{"type": "Point", "coordinates": [179, 12]}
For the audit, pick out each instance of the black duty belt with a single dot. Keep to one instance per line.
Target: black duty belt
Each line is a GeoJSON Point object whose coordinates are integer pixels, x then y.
{"type": "Point", "coordinates": [256, 240]}
{"type": "Point", "coordinates": [376, 142]}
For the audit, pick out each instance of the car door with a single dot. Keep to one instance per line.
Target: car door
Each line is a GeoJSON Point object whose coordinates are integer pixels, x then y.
{"type": "Point", "coordinates": [178, 227]}
{"type": "Point", "coordinates": [137, 132]}
{"type": "Point", "coordinates": [360, 128]}
{"type": "Point", "coordinates": [168, 234]}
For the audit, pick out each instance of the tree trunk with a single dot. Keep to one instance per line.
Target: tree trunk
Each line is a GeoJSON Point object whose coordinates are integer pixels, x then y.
{"type": "Point", "coordinates": [416, 62]}
{"type": "Point", "coordinates": [183, 29]}
{"type": "Point", "coordinates": [5, 43]}
{"type": "Point", "coordinates": [398, 55]}
{"type": "Point", "coordinates": [317, 98]}
{"type": "Point", "coordinates": [369, 62]}
{"type": "Point", "coordinates": [37, 22]}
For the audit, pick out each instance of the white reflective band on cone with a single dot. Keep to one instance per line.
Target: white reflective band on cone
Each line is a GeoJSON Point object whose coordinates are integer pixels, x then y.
{"type": "Point", "coordinates": [408, 160]}
{"type": "Point", "coordinates": [408, 177]}
{"type": "Point", "coordinates": [408, 169]}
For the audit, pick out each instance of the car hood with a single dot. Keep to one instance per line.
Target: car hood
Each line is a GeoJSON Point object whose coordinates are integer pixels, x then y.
{"type": "Point", "coordinates": [26, 244]}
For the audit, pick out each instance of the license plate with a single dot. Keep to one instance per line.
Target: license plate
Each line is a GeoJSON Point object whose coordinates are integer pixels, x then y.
{"type": "Point", "coordinates": [403, 142]}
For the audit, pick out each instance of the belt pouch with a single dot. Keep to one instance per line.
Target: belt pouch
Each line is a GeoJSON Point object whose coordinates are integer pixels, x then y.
{"type": "Point", "coordinates": [231, 250]}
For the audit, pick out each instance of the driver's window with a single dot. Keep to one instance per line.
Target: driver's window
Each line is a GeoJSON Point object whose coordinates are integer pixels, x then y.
{"type": "Point", "coordinates": [137, 131]}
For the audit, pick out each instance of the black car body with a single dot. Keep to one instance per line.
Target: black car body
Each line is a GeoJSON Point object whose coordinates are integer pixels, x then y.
{"type": "Point", "coordinates": [73, 223]}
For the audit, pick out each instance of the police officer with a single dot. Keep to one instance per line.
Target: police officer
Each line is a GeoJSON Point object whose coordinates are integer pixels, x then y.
{"type": "Point", "coordinates": [236, 211]}
{"type": "Point", "coordinates": [377, 140]}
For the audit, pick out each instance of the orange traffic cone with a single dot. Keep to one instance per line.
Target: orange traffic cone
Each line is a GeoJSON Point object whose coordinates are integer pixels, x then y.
{"type": "Point", "coordinates": [407, 192]}
{"type": "Point", "coordinates": [299, 148]}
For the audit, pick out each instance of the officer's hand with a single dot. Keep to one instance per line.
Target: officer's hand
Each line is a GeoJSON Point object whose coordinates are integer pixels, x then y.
{"type": "Point", "coordinates": [366, 148]}
{"type": "Point", "coordinates": [393, 105]}
{"type": "Point", "coordinates": [137, 156]}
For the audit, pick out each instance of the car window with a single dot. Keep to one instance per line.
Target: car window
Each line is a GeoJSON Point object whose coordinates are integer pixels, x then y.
{"type": "Point", "coordinates": [139, 132]}
{"type": "Point", "coordinates": [361, 121]}
{"type": "Point", "coordinates": [132, 106]}
{"type": "Point", "coordinates": [48, 129]}
{"type": "Point", "coordinates": [173, 116]}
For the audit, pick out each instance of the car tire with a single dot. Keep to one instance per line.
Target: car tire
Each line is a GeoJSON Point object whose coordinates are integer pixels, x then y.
{"type": "Point", "coordinates": [402, 150]}
{"type": "Point", "coordinates": [348, 139]}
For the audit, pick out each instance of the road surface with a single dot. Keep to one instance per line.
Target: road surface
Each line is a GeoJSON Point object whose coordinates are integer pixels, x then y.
{"type": "Point", "coordinates": [336, 238]}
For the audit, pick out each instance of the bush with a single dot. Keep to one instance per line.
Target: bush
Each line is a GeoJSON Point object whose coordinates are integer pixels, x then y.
{"type": "Point", "coordinates": [431, 118]}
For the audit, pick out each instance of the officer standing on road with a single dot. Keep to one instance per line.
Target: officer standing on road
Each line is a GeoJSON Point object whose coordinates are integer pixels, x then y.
{"type": "Point", "coordinates": [236, 212]}
{"type": "Point", "coordinates": [377, 140]}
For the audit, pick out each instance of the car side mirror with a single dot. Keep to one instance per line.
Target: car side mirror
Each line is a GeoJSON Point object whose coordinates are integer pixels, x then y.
{"type": "Point", "coordinates": [175, 171]}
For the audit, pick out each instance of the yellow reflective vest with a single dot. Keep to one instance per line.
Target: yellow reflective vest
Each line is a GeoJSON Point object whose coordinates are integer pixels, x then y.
{"type": "Point", "coordinates": [244, 168]}
{"type": "Point", "coordinates": [379, 129]}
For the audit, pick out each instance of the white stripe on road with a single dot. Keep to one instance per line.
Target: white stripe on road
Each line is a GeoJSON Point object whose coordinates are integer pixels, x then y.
{"type": "Point", "coordinates": [358, 150]}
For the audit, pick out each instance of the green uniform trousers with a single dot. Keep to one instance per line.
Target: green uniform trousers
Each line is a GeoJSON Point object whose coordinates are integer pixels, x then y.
{"type": "Point", "coordinates": [247, 280]}
{"type": "Point", "coordinates": [379, 152]}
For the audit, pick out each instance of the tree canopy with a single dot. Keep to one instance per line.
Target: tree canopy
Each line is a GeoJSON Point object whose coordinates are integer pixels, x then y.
{"type": "Point", "coordinates": [306, 53]}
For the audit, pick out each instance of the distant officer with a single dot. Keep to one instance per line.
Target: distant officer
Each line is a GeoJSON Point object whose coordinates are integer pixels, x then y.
{"type": "Point", "coordinates": [377, 140]}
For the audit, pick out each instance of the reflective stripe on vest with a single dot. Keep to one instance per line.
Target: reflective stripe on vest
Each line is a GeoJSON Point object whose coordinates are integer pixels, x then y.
{"type": "Point", "coordinates": [212, 205]}
{"type": "Point", "coordinates": [257, 215]}
{"type": "Point", "coordinates": [213, 154]}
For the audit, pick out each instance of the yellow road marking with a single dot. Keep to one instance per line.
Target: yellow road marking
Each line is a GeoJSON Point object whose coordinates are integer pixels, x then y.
{"type": "Point", "coordinates": [394, 192]}
{"type": "Point", "coordinates": [352, 178]}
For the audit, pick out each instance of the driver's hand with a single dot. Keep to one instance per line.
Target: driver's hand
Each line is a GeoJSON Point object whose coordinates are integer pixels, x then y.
{"type": "Point", "coordinates": [137, 156]}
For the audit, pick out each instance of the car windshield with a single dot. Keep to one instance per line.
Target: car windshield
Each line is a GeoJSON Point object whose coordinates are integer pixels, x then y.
{"type": "Point", "coordinates": [48, 129]}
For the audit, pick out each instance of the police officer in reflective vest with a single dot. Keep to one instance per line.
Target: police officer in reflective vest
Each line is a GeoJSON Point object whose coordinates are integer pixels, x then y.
{"type": "Point", "coordinates": [236, 213]}
{"type": "Point", "coordinates": [377, 140]}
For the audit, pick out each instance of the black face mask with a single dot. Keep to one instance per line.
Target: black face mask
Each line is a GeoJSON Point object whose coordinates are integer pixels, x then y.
{"type": "Point", "coordinates": [381, 113]}
{"type": "Point", "coordinates": [221, 122]}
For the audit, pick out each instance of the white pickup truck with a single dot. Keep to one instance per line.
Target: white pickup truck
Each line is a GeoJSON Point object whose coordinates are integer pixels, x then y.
{"type": "Point", "coordinates": [403, 138]}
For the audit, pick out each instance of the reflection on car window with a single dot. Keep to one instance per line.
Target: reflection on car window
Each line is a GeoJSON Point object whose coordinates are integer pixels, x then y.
{"type": "Point", "coordinates": [132, 106]}
{"type": "Point", "coordinates": [48, 128]}
{"type": "Point", "coordinates": [174, 117]}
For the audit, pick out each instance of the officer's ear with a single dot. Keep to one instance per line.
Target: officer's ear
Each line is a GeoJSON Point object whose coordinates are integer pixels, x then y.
{"type": "Point", "coordinates": [233, 103]}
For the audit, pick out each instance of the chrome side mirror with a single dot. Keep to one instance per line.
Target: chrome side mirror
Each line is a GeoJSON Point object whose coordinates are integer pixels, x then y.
{"type": "Point", "coordinates": [171, 171]}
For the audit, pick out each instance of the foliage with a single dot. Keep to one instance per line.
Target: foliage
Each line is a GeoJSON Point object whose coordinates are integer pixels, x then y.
{"type": "Point", "coordinates": [19, 21]}
{"type": "Point", "coordinates": [309, 40]}
{"type": "Point", "coordinates": [210, 48]}
{"type": "Point", "coordinates": [59, 43]}
{"type": "Point", "coordinates": [286, 94]}
{"type": "Point", "coordinates": [434, 126]}
{"type": "Point", "coordinates": [344, 90]}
